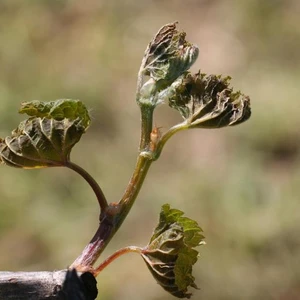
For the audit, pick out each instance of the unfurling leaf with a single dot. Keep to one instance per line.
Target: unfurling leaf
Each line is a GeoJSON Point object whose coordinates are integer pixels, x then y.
{"type": "Point", "coordinates": [170, 254]}
{"type": "Point", "coordinates": [168, 55]}
{"type": "Point", "coordinates": [47, 137]}
{"type": "Point", "coordinates": [208, 101]}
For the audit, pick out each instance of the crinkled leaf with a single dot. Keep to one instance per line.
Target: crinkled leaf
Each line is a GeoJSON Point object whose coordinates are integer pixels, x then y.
{"type": "Point", "coordinates": [57, 110]}
{"type": "Point", "coordinates": [47, 138]}
{"type": "Point", "coordinates": [170, 254]}
{"type": "Point", "coordinates": [208, 101]}
{"type": "Point", "coordinates": [168, 55]}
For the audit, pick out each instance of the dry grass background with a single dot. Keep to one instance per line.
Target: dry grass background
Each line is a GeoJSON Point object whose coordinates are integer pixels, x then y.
{"type": "Point", "coordinates": [242, 184]}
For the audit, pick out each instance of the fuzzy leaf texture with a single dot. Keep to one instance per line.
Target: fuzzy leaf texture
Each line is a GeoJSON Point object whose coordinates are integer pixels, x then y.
{"type": "Point", "coordinates": [168, 55]}
{"type": "Point", "coordinates": [170, 254]}
{"type": "Point", "coordinates": [208, 101]}
{"type": "Point", "coordinates": [57, 110]}
{"type": "Point", "coordinates": [47, 137]}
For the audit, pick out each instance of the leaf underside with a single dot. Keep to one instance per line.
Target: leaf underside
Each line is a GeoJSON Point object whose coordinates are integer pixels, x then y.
{"type": "Point", "coordinates": [170, 254]}
{"type": "Point", "coordinates": [168, 55]}
{"type": "Point", "coordinates": [208, 101]}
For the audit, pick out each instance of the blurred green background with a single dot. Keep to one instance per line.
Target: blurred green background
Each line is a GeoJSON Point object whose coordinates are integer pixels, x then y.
{"type": "Point", "coordinates": [241, 184]}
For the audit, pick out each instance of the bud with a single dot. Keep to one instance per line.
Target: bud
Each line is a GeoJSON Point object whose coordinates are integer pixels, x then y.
{"type": "Point", "coordinates": [168, 56]}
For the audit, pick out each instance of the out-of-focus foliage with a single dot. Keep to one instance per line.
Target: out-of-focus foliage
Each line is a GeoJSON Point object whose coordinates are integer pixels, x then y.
{"type": "Point", "coordinates": [242, 184]}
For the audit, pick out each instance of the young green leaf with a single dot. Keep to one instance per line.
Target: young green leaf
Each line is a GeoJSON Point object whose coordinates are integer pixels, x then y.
{"type": "Point", "coordinates": [167, 56]}
{"type": "Point", "coordinates": [47, 137]}
{"type": "Point", "coordinates": [170, 254]}
{"type": "Point", "coordinates": [207, 101]}
{"type": "Point", "coordinates": [57, 110]}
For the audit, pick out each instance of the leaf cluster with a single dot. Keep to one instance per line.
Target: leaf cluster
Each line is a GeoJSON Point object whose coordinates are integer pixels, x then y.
{"type": "Point", "coordinates": [208, 101]}
{"type": "Point", "coordinates": [204, 101]}
{"type": "Point", "coordinates": [46, 139]}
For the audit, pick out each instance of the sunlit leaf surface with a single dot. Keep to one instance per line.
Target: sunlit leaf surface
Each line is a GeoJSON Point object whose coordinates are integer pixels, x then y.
{"type": "Point", "coordinates": [47, 137]}
{"type": "Point", "coordinates": [57, 110]}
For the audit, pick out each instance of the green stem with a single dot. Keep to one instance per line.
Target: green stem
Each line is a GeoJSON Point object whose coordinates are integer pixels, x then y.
{"type": "Point", "coordinates": [114, 256]}
{"type": "Point", "coordinates": [167, 136]}
{"type": "Point", "coordinates": [146, 126]}
{"type": "Point", "coordinates": [115, 213]}
{"type": "Point", "coordinates": [141, 169]}
{"type": "Point", "coordinates": [92, 182]}
{"type": "Point", "coordinates": [112, 218]}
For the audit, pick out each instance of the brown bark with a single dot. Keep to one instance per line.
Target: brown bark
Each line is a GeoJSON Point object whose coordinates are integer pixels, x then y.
{"type": "Point", "coordinates": [31, 285]}
{"type": "Point", "coordinates": [58, 285]}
